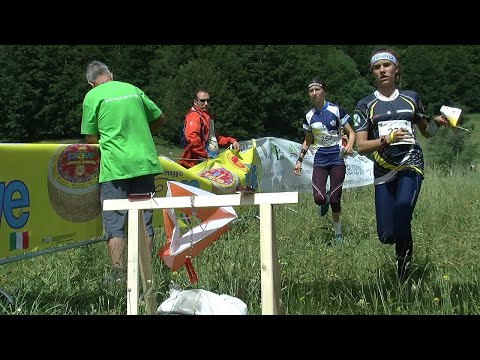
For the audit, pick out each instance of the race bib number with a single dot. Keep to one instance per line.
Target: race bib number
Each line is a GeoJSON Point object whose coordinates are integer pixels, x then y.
{"type": "Point", "coordinates": [386, 127]}
{"type": "Point", "coordinates": [326, 138]}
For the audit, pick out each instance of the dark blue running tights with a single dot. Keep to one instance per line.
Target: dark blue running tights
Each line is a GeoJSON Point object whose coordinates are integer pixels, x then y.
{"type": "Point", "coordinates": [394, 205]}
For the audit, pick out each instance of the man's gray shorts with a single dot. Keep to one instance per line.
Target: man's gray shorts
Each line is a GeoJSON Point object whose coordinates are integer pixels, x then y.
{"type": "Point", "coordinates": [114, 221]}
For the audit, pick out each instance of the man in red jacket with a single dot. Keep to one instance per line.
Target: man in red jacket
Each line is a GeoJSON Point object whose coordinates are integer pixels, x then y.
{"type": "Point", "coordinates": [202, 142]}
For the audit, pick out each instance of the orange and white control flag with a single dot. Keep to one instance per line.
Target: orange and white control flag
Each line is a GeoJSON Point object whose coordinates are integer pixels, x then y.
{"type": "Point", "coordinates": [180, 248]}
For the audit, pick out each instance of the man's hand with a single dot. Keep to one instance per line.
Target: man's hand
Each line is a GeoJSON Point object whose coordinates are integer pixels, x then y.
{"type": "Point", "coordinates": [441, 120]}
{"type": "Point", "coordinates": [236, 146]}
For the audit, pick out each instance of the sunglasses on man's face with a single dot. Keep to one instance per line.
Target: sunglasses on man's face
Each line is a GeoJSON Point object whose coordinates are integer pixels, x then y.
{"type": "Point", "coordinates": [205, 100]}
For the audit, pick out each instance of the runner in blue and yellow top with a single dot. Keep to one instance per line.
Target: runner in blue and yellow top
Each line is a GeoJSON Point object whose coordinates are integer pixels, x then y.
{"type": "Point", "coordinates": [323, 127]}
{"type": "Point", "coordinates": [384, 123]}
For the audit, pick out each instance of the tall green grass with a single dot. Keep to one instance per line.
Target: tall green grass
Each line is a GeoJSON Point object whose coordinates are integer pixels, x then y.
{"type": "Point", "coordinates": [317, 278]}
{"type": "Point", "coordinates": [475, 134]}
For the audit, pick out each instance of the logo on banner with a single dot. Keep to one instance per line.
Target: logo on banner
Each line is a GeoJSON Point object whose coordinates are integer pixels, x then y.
{"type": "Point", "coordinates": [73, 187]}
{"type": "Point", "coordinates": [276, 151]}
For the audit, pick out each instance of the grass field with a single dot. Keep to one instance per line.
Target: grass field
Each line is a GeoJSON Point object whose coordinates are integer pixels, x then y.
{"type": "Point", "coordinates": [357, 278]}
{"type": "Point", "coordinates": [475, 134]}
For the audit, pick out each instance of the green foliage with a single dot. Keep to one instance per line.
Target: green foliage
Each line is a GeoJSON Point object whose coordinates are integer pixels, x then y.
{"type": "Point", "coordinates": [258, 90]}
{"type": "Point", "coordinates": [453, 147]}
{"type": "Point", "coordinates": [437, 73]}
{"type": "Point", "coordinates": [344, 83]}
{"type": "Point", "coordinates": [42, 91]}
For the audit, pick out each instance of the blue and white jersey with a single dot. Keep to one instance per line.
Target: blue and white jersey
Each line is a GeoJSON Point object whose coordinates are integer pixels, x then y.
{"type": "Point", "coordinates": [325, 124]}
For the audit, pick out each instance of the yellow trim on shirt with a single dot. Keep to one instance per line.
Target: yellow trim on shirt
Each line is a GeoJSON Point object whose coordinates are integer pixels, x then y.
{"type": "Point", "coordinates": [387, 165]}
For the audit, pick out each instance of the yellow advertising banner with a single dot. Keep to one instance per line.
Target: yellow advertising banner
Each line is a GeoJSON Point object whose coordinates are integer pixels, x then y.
{"type": "Point", "coordinates": [50, 195]}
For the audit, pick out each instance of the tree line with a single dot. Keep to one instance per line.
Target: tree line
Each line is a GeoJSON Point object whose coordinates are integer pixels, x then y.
{"type": "Point", "coordinates": [257, 90]}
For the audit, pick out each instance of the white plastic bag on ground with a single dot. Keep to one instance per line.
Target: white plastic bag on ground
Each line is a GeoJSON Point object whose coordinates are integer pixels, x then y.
{"type": "Point", "coordinates": [201, 302]}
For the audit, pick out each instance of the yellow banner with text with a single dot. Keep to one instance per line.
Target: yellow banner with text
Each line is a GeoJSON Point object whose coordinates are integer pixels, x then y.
{"type": "Point", "coordinates": [50, 195]}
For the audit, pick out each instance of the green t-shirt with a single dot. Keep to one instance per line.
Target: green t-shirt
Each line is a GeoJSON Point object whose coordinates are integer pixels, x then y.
{"type": "Point", "coordinates": [119, 113]}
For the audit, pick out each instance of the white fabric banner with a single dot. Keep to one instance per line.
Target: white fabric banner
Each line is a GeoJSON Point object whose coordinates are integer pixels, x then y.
{"type": "Point", "coordinates": [278, 158]}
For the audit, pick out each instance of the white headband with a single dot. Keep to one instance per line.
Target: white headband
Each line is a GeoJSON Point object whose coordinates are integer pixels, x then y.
{"type": "Point", "coordinates": [315, 84]}
{"type": "Point", "coordinates": [383, 56]}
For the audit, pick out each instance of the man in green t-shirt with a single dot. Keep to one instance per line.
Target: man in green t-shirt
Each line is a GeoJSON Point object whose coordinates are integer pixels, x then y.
{"type": "Point", "coordinates": [121, 119]}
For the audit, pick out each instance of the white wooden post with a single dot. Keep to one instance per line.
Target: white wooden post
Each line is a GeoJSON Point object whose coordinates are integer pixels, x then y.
{"type": "Point", "coordinates": [145, 257]}
{"type": "Point", "coordinates": [270, 273]}
{"type": "Point", "coordinates": [132, 264]}
{"type": "Point", "coordinates": [268, 262]}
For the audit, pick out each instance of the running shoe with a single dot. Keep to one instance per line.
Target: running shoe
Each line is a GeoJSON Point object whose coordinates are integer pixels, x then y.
{"type": "Point", "coordinates": [338, 239]}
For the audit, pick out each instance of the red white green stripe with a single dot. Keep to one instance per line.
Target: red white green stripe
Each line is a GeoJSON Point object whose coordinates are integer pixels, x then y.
{"type": "Point", "coordinates": [19, 240]}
